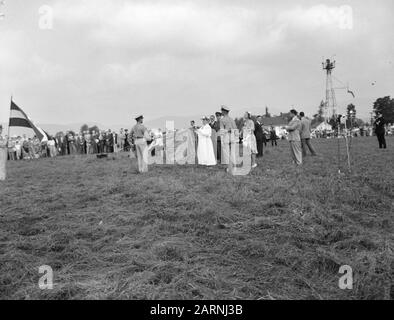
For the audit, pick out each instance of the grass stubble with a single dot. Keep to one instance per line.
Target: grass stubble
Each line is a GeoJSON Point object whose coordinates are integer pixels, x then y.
{"type": "Point", "coordinates": [189, 232]}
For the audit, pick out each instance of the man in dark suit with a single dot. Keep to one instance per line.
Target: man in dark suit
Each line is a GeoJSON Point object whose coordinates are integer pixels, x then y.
{"type": "Point", "coordinates": [67, 142]}
{"type": "Point", "coordinates": [216, 126]}
{"type": "Point", "coordinates": [110, 142]}
{"type": "Point", "coordinates": [259, 133]}
{"type": "Point", "coordinates": [273, 137]}
{"type": "Point", "coordinates": [380, 130]}
{"type": "Point", "coordinates": [126, 141]}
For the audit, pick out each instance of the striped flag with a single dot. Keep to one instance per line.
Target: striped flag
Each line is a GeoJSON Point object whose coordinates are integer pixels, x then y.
{"type": "Point", "coordinates": [19, 119]}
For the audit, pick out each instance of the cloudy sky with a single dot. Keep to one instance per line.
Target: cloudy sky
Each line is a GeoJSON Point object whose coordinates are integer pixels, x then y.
{"type": "Point", "coordinates": [108, 60]}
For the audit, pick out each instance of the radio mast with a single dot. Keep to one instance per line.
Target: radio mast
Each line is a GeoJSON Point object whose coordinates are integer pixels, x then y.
{"type": "Point", "coordinates": [331, 102]}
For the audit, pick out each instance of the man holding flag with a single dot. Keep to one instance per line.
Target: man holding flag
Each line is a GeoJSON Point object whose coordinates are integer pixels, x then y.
{"type": "Point", "coordinates": [17, 119]}
{"type": "Point", "coordinates": [3, 154]}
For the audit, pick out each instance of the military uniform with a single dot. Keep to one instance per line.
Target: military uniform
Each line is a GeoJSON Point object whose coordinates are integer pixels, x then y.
{"type": "Point", "coordinates": [229, 137]}
{"type": "Point", "coordinates": [139, 134]}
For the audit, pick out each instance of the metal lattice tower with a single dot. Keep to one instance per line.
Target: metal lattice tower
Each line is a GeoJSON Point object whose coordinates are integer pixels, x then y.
{"type": "Point", "coordinates": [331, 102]}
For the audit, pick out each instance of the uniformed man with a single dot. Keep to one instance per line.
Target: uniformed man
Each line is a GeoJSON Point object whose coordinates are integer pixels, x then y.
{"type": "Point", "coordinates": [139, 137]}
{"type": "Point", "coordinates": [380, 130]}
{"type": "Point", "coordinates": [229, 135]}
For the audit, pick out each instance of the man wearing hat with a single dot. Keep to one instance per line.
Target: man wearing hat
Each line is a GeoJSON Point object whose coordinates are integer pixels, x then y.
{"type": "Point", "coordinates": [126, 146]}
{"type": "Point", "coordinates": [139, 136]}
{"type": "Point", "coordinates": [294, 128]}
{"type": "Point", "coordinates": [3, 155]}
{"type": "Point", "coordinates": [380, 130]}
{"type": "Point", "coordinates": [216, 127]}
{"type": "Point", "coordinates": [228, 134]}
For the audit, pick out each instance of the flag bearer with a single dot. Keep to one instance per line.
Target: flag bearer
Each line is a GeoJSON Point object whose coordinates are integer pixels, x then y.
{"type": "Point", "coordinates": [3, 155]}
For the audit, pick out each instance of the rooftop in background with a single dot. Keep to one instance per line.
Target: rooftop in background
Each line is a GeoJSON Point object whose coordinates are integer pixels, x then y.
{"type": "Point", "coordinates": [277, 121]}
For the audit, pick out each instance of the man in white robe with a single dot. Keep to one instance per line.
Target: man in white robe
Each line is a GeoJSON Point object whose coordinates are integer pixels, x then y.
{"type": "Point", "coordinates": [205, 152]}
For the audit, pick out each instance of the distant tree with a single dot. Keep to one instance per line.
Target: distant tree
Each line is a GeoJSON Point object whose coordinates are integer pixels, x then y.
{"type": "Point", "coordinates": [84, 128]}
{"type": "Point", "coordinates": [94, 128]}
{"type": "Point", "coordinates": [359, 123]}
{"type": "Point", "coordinates": [351, 116]}
{"type": "Point", "coordinates": [319, 117]}
{"type": "Point", "coordinates": [267, 114]}
{"type": "Point", "coordinates": [333, 122]}
{"type": "Point", "coordinates": [386, 107]}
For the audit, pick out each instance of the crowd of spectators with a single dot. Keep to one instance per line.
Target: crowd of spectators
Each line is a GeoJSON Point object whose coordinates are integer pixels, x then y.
{"type": "Point", "coordinates": [69, 143]}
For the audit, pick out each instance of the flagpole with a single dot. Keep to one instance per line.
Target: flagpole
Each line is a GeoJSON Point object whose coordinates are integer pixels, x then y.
{"type": "Point", "coordinates": [8, 139]}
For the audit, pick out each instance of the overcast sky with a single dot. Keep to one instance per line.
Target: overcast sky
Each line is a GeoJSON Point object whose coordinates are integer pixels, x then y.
{"type": "Point", "coordinates": [107, 60]}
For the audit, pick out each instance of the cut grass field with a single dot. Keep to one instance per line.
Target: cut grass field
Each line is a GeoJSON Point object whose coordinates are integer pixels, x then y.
{"type": "Point", "coordinates": [190, 232]}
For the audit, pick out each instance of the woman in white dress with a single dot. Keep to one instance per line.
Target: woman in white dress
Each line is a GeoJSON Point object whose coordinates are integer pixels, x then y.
{"type": "Point", "coordinates": [205, 153]}
{"type": "Point", "coordinates": [3, 155]}
{"type": "Point", "coordinates": [249, 139]}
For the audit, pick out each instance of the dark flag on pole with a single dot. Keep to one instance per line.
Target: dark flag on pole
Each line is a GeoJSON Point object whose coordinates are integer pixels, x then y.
{"type": "Point", "coordinates": [19, 119]}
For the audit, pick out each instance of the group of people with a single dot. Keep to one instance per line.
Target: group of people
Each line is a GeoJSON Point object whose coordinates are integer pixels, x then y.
{"type": "Point", "coordinates": [212, 141]}
{"type": "Point", "coordinates": [86, 142]}
{"type": "Point", "coordinates": [299, 136]}
{"type": "Point", "coordinates": [70, 143]}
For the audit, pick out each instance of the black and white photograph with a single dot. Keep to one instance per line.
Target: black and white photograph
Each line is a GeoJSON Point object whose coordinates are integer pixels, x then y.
{"type": "Point", "coordinates": [205, 152]}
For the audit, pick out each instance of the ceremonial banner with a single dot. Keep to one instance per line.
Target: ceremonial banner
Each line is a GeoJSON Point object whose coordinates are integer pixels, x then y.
{"type": "Point", "coordinates": [19, 119]}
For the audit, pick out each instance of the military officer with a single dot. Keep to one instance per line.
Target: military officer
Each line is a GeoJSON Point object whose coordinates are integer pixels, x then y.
{"type": "Point", "coordinates": [140, 136]}
{"type": "Point", "coordinates": [229, 135]}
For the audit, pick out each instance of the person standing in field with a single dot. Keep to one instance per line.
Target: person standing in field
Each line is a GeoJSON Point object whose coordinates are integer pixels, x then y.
{"type": "Point", "coordinates": [140, 136]}
{"type": "Point", "coordinates": [11, 149]}
{"type": "Point", "coordinates": [205, 153]}
{"type": "Point", "coordinates": [259, 133]}
{"type": "Point", "coordinates": [3, 155]}
{"type": "Point", "coordinates": [306, 135]}
{"type": "Point", "coordinates": [71, 142]}
{"type": "Point", "coordinates": [214, 135]}
{"type": "Point", "coordinates": [216, 126]}
{"type": "Point", "coordinates": [380, 130]}
{"type": "Point", "coordinates": [126, 146]}
{"type": "Point", "coordinates": [294, 128]}
{"type": "Point", "coordinates": [122, 138]}
{"type": "Point", "coordinates": [89, 145]}
{"type": "Point", "coordinates": [249, 139]}
{"type": "Point", "coordinates": [228, 130]}
{"type": "Point", "coordinates": [273, 137]}
{"type": "Point", "coordinates": [52, 147]}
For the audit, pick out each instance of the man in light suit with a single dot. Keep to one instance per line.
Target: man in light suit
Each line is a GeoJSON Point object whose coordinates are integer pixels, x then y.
{"type": "Point", "coordinates": [294, 129]}
{"type": "Point", "coordinates": [306, 135]}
